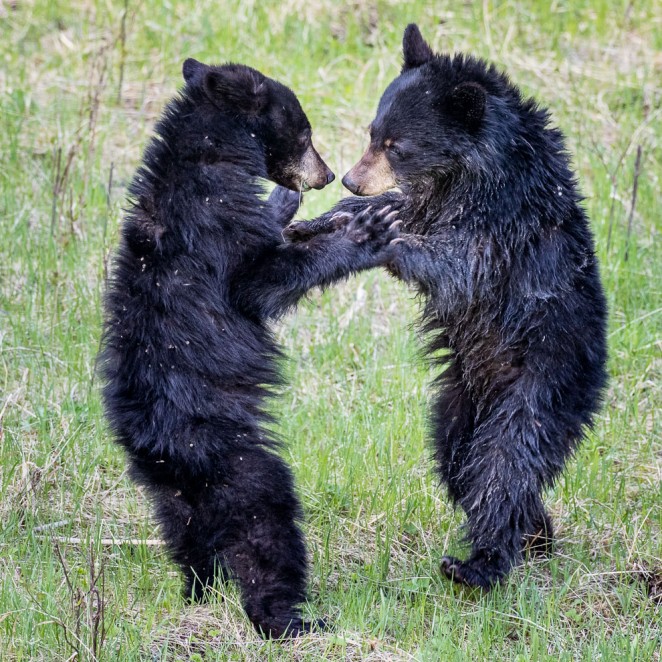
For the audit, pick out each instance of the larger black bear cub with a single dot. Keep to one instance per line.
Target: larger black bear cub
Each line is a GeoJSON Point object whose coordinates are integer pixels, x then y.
{"type": "Point", "coordinates": [496, 241]}
{"type": "Point", "coordinates": [188, 354]}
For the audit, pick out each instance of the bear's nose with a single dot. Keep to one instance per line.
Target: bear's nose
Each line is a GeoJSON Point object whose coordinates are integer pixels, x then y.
{"type": "Point", "coordinates": [329, 176]}
{"type": "Point", "coordinates": [349, 184]}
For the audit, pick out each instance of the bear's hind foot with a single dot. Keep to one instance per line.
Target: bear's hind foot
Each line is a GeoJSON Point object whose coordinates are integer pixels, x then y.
{"type": "Point", "coordinates": [473, 572]}
{"type": "Point", "coordinates": [288, 628]}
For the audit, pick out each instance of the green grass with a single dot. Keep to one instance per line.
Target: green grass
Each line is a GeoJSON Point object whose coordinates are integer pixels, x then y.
{"type": "Point", "coordinates": [354, 408]}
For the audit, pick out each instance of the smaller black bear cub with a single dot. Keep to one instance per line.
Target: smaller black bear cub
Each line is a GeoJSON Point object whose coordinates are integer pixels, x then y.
{"type": "Point", "coordinates": [497, 243]}
{"type": "Point", "coordinates": [188, 355]}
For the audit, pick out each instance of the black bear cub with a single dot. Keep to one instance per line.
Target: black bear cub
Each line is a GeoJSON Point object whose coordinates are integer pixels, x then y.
{"type": "Point", "coordinates": [497, 243]}
{"type": "Point", "coordinates": [188, 355]}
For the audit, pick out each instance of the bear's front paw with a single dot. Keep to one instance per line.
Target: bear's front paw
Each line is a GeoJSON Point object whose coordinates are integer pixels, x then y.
{"type": "Point", "coordinates": [297, 232]}
{"type": "Point", "coordinates": [285, 203]}
{"type": "Point", "coordinates": [377, 230]}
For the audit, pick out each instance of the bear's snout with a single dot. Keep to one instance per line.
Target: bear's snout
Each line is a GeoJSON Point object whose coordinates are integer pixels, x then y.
{"type": "Point", "coordinates": [372, 175]}
{"type": "Point", "coordinates": [314, 172]}
{"type": "Point", "coordinates": [350, 184]}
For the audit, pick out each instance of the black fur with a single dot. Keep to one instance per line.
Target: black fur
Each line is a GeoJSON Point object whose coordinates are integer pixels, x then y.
{"type": "Point", "coordinates": [188, 355]}
{"type": "Point", "coordinates": [496, 241]}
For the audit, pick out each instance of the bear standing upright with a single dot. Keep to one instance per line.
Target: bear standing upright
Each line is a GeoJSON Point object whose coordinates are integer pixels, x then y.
{"type": "Point", "coordinates": [188, 356]}
{"type": "Point", "coordinates": [498, 245]}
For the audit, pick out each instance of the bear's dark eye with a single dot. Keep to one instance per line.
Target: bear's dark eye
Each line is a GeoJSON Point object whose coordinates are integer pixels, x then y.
{"type": "Point", "coordinates": [394, 150]}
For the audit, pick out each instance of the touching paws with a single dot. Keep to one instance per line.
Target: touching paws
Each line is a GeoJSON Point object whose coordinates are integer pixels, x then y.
{"type": "Point", "coordinates": [377, 230]}
{"type": "Point", "coordinates": [305, 230]}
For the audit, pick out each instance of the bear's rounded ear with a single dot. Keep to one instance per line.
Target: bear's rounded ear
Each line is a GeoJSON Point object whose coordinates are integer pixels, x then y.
{"type": "Point", "coordinates": [192, 70]}
{"type": "Point", "coordinates": [238, 86]}
{"type": "Point", "coordinates": [468, 104]}
{"type": "Point", "coordinates": [415, 49]}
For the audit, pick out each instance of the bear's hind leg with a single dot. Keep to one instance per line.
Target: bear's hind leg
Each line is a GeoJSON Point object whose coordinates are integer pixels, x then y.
{"type": "Point", "coordinates": [502, 476]}
{"type": "Point", "coordinates": [185, 530]}
{"type": "Point", "coordinates": [239, 523]}
{"type": "Point", "coordinates": [453, 424]}
{"type": "Point", "coordinates": [245, 522]}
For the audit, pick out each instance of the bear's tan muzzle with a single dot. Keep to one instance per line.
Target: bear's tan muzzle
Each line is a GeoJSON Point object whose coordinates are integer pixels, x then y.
{"type": "Point", "coordinates": [314, 172]}
{"type": "Point", "coordinates": [372, 175]}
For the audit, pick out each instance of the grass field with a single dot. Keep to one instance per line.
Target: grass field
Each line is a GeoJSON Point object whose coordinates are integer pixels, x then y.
{"type": "Point", "coordinates": [83, 574]}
